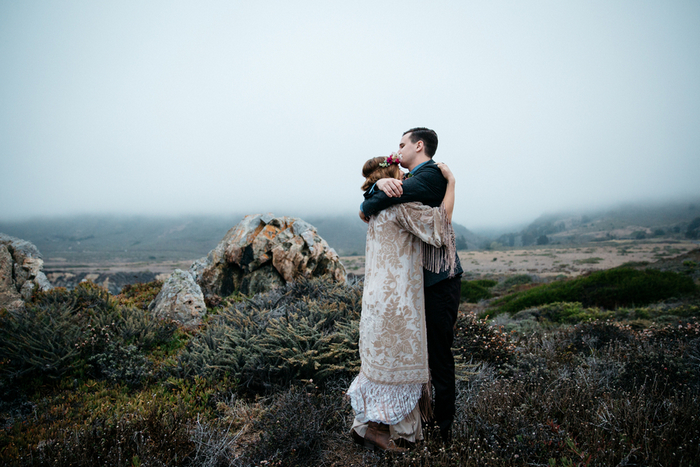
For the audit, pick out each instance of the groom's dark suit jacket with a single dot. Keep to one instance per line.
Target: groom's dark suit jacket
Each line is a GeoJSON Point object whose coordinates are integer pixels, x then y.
{"type": "Point", "coordinates": [428, 186]}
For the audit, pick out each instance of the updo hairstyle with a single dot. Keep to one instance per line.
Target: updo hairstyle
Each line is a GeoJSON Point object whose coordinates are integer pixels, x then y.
{"type": "Point", "coordinates": [372, 172]}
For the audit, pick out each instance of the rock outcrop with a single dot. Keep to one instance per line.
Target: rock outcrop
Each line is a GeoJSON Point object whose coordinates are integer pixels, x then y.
{"type": "Point", "coordinates": [20, 272]}
{"type": "Point", "coordinates": [263, 252]}
{"type": "Point", "coordinates": [180, 299]}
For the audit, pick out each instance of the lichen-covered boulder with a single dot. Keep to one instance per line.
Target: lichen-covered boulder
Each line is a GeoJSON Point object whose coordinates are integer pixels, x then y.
{"type": "Point", "coordinates": [20, 272]}
{"type": "Point", "coordinates": [263, 252]}
{"type": "Point", "coordinates": [180, 299]}
{"type": "Point", "coordinates": [9, 296]}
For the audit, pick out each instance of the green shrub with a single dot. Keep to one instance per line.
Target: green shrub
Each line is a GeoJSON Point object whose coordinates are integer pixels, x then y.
{"type": "Point", "coordinates": [160, 435]}
{"type": "Point", "coordinates": [565, 406]}
{"type": "Point", "coordinates": [608, 289]}
{"type": "Point", "coordinates": [295, 429]}
{"type": "Point", "coordinates": [594, 260]}
{"type": "Point", "coordinates": [139, 295]}
{"type": "Point", "coordinates": [86, 299]}
{"type": "Point", "coordinates": [121, 363]}
{"type": "Point", "coordinates": [40, 343]}
{"type": "Point", "coordinates": [594, 335]}
{"type": "Point", "coordinates": [512, 281]}
{"type": "Point", "coordinates": [98, 423]}
{"type": "Point", "coordinates": [486, 283]}
{"type": "Point", "coordinates": [633, 264]}
{"type": "Point", "coordinates": [83, 332]}
{"type": "Point", "coordinates": [475, 340]}
{"type": "Point", "coordinates": [305, 330]}
{"type": "Point", "coordinates": [571, 313]}
{"type": "Point", "coordinates": [473, 291]}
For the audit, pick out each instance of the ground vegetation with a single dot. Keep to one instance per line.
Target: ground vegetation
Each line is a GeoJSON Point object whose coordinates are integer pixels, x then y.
{"type": "Point", "coordinates": [91, 379]}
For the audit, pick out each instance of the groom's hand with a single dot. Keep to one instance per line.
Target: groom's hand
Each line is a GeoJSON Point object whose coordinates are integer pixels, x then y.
{"type": "Point", "coordinates": [391, 187]}
{"type": "Point", "coordinates": [363, 217]}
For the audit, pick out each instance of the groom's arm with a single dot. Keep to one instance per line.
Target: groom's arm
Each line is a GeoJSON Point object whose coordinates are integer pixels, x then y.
{"type": "Point", "coordinates": [428, 187]}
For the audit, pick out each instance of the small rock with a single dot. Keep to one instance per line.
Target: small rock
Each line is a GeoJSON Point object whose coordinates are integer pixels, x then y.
{"type": "Point", "coordinates": [20, 272]}
{"type": "Point", "coordinates": [180, 299]}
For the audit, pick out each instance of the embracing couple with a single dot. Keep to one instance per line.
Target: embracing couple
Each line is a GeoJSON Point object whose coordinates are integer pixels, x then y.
{"type": "Point", "coordinates": [410, 299]}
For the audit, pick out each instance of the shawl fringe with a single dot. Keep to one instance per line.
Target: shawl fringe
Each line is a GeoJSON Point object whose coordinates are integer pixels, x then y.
{"type": "Point", "coordinates": [442, 259]}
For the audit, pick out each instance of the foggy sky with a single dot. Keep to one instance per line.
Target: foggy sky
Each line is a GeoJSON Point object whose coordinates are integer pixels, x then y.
{"type": "Point", "coordinates": [273, 106]}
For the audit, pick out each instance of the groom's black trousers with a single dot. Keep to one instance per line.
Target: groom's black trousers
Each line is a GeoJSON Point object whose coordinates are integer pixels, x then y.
{"type": "Point", "coordinates": [441, 305]}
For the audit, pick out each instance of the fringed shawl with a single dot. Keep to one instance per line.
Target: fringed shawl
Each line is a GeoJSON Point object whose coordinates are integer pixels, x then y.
{"type": "Point", "coordinates": [393, 339]}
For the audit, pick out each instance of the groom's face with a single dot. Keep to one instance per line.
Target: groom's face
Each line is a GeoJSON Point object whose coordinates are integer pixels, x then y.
{"type": "Point", "coordinates": [407, 149]}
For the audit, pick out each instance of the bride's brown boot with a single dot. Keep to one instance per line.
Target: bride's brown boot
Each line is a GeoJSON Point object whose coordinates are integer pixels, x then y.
{"type": "Point", "coordinates": [378, 437]}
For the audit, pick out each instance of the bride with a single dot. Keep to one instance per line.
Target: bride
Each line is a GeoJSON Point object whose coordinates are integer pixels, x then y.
{"type": "Point", "coordinates": [392, 391]}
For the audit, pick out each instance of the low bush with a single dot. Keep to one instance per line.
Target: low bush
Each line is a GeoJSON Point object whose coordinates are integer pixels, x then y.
{"type": "Point", "coordinates": [159, 436]}
{"type": "Point", "coordinates": [592, 336]}
{"type": "Point", "coordinates": [512, 281]}
{"type": "Point", "coordinates": [40, 342]}
{"type": "Point", "coordinates": [121, 363]}
{"type": "Point", "coordinates": [297, 427]}
{"type": "Point", "coordinates": [564, 406]}
{"type": "Point", "coordinates": [474, 291]}
{"type": "Point", "coordinates": [99, 423]}
{"type": "Point", "coordinates": [571, 313]}
{"type": "Point", "coordinates": [475, 340]}
{"type": "Point", "coordinates": [608, 289]}
{"type": "Point", "coordinates": [139, 295]}
{"type": "Point", "coordinates": [305, 330]}
{"type": "Point", "coordinates": [594, 260]}
{"type": "Point", "coordinates": [84, 333]}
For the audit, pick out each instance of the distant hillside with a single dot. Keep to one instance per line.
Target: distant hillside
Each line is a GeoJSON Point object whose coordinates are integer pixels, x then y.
{"type": "Point", "coordinates": [95, 239]}
{"type": "Point", "coordinates": [114, 238]}
{"type": "Point", "coordinates": [347, 234]}
{"type": "Point", "coordinates": [671, 220]}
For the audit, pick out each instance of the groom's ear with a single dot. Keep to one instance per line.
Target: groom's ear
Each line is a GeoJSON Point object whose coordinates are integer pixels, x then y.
{"type": "Point", "coordinates": [420, 145]}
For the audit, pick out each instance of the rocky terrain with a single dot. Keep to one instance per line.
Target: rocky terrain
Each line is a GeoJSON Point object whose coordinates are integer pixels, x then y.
{"type": "Point", "coordinates": [260, 253]}
{"type": "Point", "coordinates": [21, 272]}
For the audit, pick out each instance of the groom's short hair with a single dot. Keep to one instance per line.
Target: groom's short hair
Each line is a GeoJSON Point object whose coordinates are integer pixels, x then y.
{"type": "Point", "coordinates": [428, 136]}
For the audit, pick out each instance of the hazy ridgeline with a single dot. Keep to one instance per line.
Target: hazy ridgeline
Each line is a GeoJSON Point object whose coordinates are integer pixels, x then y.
{"type": "Point", "coordinates": [135, 238]}
{"type": "Point", "coordinates": [94, 239]}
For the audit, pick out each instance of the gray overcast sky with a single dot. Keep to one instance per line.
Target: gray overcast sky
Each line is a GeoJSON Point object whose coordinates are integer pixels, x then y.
{"type": "Point", "coordinates": [218, 107]}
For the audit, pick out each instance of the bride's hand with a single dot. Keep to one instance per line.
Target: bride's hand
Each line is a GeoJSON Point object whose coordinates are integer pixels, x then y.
{"type": "Point", "coordinates": [446, 172]}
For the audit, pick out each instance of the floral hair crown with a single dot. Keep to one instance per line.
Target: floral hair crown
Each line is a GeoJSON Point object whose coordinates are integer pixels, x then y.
{"type": "Point", "coordinates": [392, 158]}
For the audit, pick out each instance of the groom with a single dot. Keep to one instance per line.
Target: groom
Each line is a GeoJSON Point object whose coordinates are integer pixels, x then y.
{"type": "Point", "coordinates": [425, 183]}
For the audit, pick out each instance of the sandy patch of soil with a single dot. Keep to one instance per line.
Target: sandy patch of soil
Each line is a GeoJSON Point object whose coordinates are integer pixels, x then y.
{"type": "Point", "coordinates": [164, 267]}
{"type": "Point", "coordinates": [555, 260]}
{"type": "Point", "coordinates": [548, 260]}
